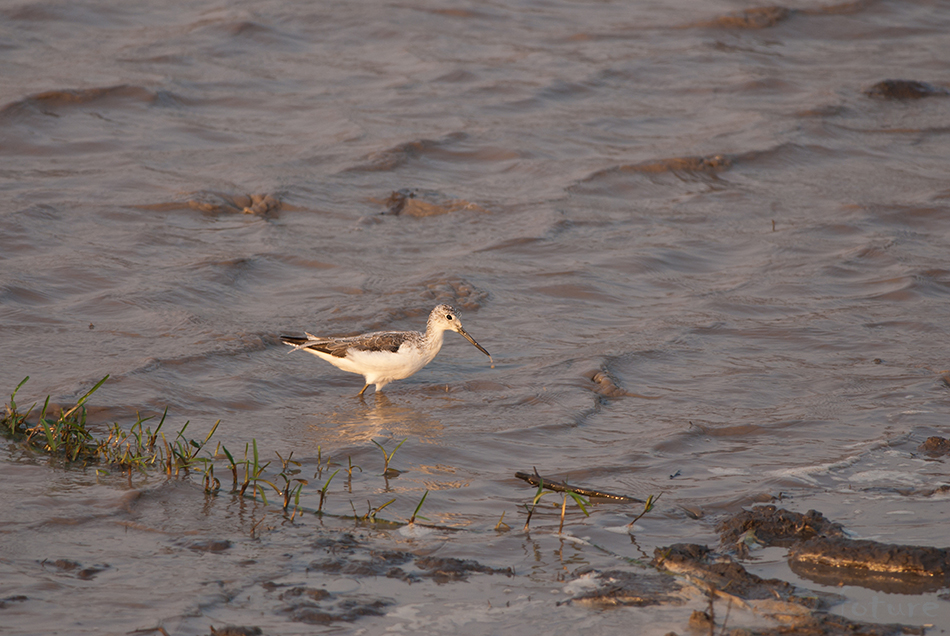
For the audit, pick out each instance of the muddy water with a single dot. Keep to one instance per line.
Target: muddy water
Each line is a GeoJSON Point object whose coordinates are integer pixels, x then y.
{"type": "Point", "coordinates": [722, 211]}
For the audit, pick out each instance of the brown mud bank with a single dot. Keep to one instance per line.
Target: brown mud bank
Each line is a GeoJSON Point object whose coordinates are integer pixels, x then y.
{"type": "Point", "coordinates": [820, 551]}
{"type": "Point", "coordinates": [679, 578]}
{"type": "Point", "coordinates": [745, 603]}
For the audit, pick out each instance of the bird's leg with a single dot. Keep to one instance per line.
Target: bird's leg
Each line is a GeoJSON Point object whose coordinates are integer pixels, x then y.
{"type": "Point", "coordinates": [363, 391]}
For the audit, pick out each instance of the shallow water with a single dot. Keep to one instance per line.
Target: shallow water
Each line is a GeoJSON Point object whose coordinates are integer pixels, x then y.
{"type": "Point", "coordinates": [718, 217]}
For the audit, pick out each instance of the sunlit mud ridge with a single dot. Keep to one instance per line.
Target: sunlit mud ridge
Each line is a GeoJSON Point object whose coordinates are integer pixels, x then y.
{"type": "Point", "coordinates": [755, 18]}
{"type": "Point", "coordinates": [709, 165]}
{"type": "Point", "coordinates": [56, 102]}
{"type": "Point", "coordinates": [768, 17]}
{"type": "Point", "coordinates": [396, 156]}
{"type": "Point", "coordinates": [421, 203]}
{"type": "Point", "coordinates": [905, 89]}
{"type": "Point", "coordinates": [885, 567]}
{"type": "Point", "coordinates": [452, 148]}
{"type": "Point", "coordinates": [604, 384]}
{"type": "Point", "coordinates": [264, 205]}
{"type": "Point", "coordinates": [935, 446]}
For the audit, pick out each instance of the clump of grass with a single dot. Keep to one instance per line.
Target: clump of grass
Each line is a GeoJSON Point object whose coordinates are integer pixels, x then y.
{"type": "Point", "coordinates": [325, 487]}
{"type": "Point", "coordinates": [133, 448]}
{"type": "Point", "coordinates": [321, 465]}
{"type": "Point", "coordinates": [349, 473]}
{"type": "Point", "coordinates": [64, 436]}
{"type": "Point", "coordinates": [415, 513]}
{"type": "Point", "coordinates": [501, 526]}
{"type": "Point", "coordinates": [371, 515]}
{"type": "Point", "coordinates": [371, 512]}
{"type": "Point", "coordinates": [292, 485]}
{"type": "Point", "coordinates": [232, 466]}
{"type": "Point", "coordinates": [580, 501]}
{"type": "Point", "coordinates": [253, 470]}
{"type": "Point", "coordinates": [647, 507]}
{"type": "Point", "coordinates": [534, 504]}
{"type": "Point", "coordinates": [67, 437]}
{"type": "Point", "coordinates": [182, 453]}
{"type": "Point", "coordinates": [387, 471]}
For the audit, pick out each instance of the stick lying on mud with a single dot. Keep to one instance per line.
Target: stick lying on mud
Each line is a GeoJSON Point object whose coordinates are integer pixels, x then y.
{"type": "Point", "coordinates": [558, 486]}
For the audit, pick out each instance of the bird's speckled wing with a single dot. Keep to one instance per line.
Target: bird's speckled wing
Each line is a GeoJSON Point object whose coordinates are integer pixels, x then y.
{"type": "Point", "coordinates": [337, 347]}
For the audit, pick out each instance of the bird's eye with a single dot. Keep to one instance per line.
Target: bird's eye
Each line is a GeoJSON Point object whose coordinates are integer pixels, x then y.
{"type": "Point", "coordinates": [449, 317]}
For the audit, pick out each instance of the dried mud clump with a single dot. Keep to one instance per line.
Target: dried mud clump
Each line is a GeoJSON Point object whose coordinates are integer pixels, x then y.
{"type": "Point", "coordinates": [76, 569]}
{"type": "Point", "coordinates": [755, 18]}
{"type": "Point", "coordinates": [259, 204]}
{"type": "Point", "coordinates": [214, 203]}
{"type": "Point", "coordinates": [604, 384]}
{"type": "Point", "coordinates": [455, 291]}
{"type": "Point", "coordinates": [768, 526]}
{"type": "Point", "coordinates": [905, 89]}
{"type": "Point", "coordinates": [19, 598]}
{"type": "Point", "coordinates": [722, 573]}
{"type": "Point", "coordinates": [694, 164]}
{"type": "Point", "coordinates": [935, 446]}
{"type": "Point", "coordinates": [420, 203]}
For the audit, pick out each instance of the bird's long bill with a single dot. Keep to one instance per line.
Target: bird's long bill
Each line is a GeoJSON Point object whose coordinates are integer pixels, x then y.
{"type": "Point", "coordinates": [472, 340]}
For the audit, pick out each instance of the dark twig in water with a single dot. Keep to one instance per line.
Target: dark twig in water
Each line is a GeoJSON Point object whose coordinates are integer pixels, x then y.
{"type": "Point", "coordinates": [557, 486]}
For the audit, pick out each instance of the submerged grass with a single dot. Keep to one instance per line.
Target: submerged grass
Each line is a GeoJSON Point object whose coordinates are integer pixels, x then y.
{"type": "Point", "coordinates": [65, 436]}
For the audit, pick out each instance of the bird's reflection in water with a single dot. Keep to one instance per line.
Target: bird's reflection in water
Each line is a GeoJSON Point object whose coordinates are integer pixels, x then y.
{"type": "Point", "coordinates": [358, 422]}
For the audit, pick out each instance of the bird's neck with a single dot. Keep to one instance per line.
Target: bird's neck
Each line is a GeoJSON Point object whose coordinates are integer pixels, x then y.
{"type": "Point", "coordinates": [433, 339]}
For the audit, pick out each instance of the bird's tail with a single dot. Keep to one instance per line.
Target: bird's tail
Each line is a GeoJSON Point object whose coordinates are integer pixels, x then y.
{"type": "Point", "coordinates": [301, 343]}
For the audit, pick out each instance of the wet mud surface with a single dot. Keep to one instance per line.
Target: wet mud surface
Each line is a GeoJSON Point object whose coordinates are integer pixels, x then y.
{"type": "Point", "coordinates": [351, 559]}
{"type": "Point", "coordinates": [361, 576]}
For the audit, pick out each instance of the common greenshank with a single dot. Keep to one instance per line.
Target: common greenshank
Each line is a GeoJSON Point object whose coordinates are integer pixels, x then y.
{"type": "Point", "coordinates": [384, 356]}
